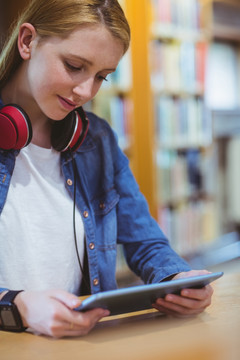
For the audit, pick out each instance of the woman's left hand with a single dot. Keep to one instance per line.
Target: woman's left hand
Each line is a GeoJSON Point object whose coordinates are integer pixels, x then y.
{"type": "Point", "coordinates": [190, 302]}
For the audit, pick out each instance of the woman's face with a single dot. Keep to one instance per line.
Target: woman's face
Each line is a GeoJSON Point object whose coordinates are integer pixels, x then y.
{"type": "Point", "coordinates": [63, 74]}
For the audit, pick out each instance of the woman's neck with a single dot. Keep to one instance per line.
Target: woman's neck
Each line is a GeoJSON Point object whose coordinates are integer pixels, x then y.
{"type": "Point", "coordinates": [14, 93]}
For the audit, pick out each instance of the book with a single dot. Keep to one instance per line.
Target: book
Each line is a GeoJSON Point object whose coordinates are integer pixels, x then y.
{"type": "Point", "coordinates": [178, 66]}
{"type": "Point", "coordinates": [233, 181]}
{"type": "Point", "coordinates": [221, 78]}
{"type": "Point", "coordinates": [201, 58]}
{"type": "Point", "coordinates": [175, 15]}
{"type": "Point", "coordinates": [190, 226]}
{"type": "Point", "coordinates": [182, 122]}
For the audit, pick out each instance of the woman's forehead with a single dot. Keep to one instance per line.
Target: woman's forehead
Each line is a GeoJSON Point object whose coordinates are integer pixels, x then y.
{"type": "Point", "coordinates": [93, 43]}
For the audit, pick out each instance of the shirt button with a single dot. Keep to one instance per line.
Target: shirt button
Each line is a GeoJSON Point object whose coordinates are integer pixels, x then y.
{"type": "Point", "coordinates": [102, 206]}
{"type": "Point", "coordinates": [69, 182]}
{"type": "Point", "coordinates": [95, 282]}
{"type": "Point", "coordinates": [85, 214]}
{"type": "Point", "coordinates": [91, 246]}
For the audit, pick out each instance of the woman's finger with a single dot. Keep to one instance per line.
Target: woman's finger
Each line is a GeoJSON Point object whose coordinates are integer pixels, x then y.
{"type": "Point", "coordinates": [176, 309]}
{"type": "Point", "coordinates": [198, 294]}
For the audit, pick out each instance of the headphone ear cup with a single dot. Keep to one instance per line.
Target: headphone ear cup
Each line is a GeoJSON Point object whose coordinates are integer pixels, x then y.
{"type": "Point", "coordinates": [15, 128]}
{"type": "Point", "coordinates": [70, 132]}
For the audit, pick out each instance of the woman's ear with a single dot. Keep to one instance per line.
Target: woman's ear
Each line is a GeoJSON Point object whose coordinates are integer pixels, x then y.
{"type": "Point", "coordinates": [27, 34]}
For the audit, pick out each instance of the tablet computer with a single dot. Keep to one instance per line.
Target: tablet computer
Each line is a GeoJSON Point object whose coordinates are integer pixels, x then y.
{"type": "Point", "coordinates": [142, 297]}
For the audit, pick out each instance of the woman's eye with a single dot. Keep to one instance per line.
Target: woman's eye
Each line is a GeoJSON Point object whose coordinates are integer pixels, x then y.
{"type": "Point", "coordinates": [72, 67]}
{"type": "Point", "coordinates": [102, 78]}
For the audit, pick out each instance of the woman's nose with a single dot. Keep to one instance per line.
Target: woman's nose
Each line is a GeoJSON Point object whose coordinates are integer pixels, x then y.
{"type": "Point", "coordinates": [85, 90]}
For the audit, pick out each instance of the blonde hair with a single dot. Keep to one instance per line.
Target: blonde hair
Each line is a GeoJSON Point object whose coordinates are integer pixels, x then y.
{"type": "Point", "coordinates": [59, 18]}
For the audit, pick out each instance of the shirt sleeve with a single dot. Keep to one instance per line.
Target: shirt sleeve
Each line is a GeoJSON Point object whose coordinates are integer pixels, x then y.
{"type": "Point", "coordinates": [2, 290]}
{"type": "Point", "coordinates": [147, 250]}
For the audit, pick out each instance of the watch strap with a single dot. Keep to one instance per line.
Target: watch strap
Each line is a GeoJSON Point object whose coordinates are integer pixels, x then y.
{"type": "Point", "coordinates": [10, 295]}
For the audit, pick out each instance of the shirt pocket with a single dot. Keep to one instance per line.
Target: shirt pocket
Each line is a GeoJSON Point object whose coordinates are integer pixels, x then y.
{"type": "Point", "coordinates": [105, 203]}
{"type": "Point", "coordinates": [105, 211]}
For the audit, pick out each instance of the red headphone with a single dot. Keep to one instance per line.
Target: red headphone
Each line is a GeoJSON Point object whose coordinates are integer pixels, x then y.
{"type": "Point", "coordinates": [16, 129]}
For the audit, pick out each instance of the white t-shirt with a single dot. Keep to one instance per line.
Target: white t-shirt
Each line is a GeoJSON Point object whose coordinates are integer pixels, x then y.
{"type": "Point", "coordinates": [37, 249]}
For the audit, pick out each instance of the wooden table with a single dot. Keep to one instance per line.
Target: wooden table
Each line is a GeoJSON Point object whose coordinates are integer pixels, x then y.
{"type": "Point", "coordinates": [213, 335]}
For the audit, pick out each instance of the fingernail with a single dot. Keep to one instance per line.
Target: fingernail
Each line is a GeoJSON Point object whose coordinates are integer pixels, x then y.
{"type": "Point", "coordinates": [106, 313]}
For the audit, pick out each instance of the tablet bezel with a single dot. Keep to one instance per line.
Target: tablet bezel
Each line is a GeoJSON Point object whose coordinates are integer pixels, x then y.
{"type": "Point", "coordinates": [142, 297]}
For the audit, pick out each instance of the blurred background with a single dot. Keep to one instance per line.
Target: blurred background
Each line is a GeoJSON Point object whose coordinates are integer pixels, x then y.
{"type": "Point", "coordinates": [174, 103]}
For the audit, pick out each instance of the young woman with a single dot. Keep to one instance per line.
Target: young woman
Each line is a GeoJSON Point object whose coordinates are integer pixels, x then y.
{"type": "Point", "coordinates": [67, 196]}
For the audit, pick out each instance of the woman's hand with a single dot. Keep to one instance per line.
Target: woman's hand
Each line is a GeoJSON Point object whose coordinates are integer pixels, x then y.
{"type": "Point", "coordinates": [191, 302]}
{"type": "Point", "coordinates": [51, 313]}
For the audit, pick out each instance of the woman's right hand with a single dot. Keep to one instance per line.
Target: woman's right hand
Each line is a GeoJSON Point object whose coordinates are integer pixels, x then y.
{"type": "Point", "coordinates": [52, 313]}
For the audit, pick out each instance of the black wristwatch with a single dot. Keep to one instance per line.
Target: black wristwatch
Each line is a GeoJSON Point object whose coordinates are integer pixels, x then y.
{"type": "Point", "coordinates": [10, 319]}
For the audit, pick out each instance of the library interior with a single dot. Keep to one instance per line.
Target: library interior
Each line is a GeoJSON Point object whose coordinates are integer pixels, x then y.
{"type": "Point", "coordinates": [174, 103]}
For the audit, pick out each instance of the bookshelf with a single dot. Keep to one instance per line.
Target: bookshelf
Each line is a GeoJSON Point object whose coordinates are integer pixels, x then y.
{"type": "Point", "coordinates": [170, 138]}
{"type": "Point", "coordinates": [222, 20]}
{"type": "Point", "coordinates": [160, 146]}
{"type": "Point", "coordinates": [186, 198]}
{"type": "Point", "coordinates": [184, 174]}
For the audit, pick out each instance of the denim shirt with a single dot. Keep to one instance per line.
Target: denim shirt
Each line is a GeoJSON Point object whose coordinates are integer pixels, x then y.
{"type": "Point", "coordinates": [113, 210]}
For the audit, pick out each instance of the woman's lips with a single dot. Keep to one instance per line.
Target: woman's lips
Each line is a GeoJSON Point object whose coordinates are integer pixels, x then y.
{"type": "Point", "coordinates": [67, 104]}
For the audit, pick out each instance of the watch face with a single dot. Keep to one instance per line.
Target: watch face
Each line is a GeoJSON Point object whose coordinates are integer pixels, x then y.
{"type": "Point", "coordinates": [10, 319]}
{"type": "Point", "coordinates": [7, 318]}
